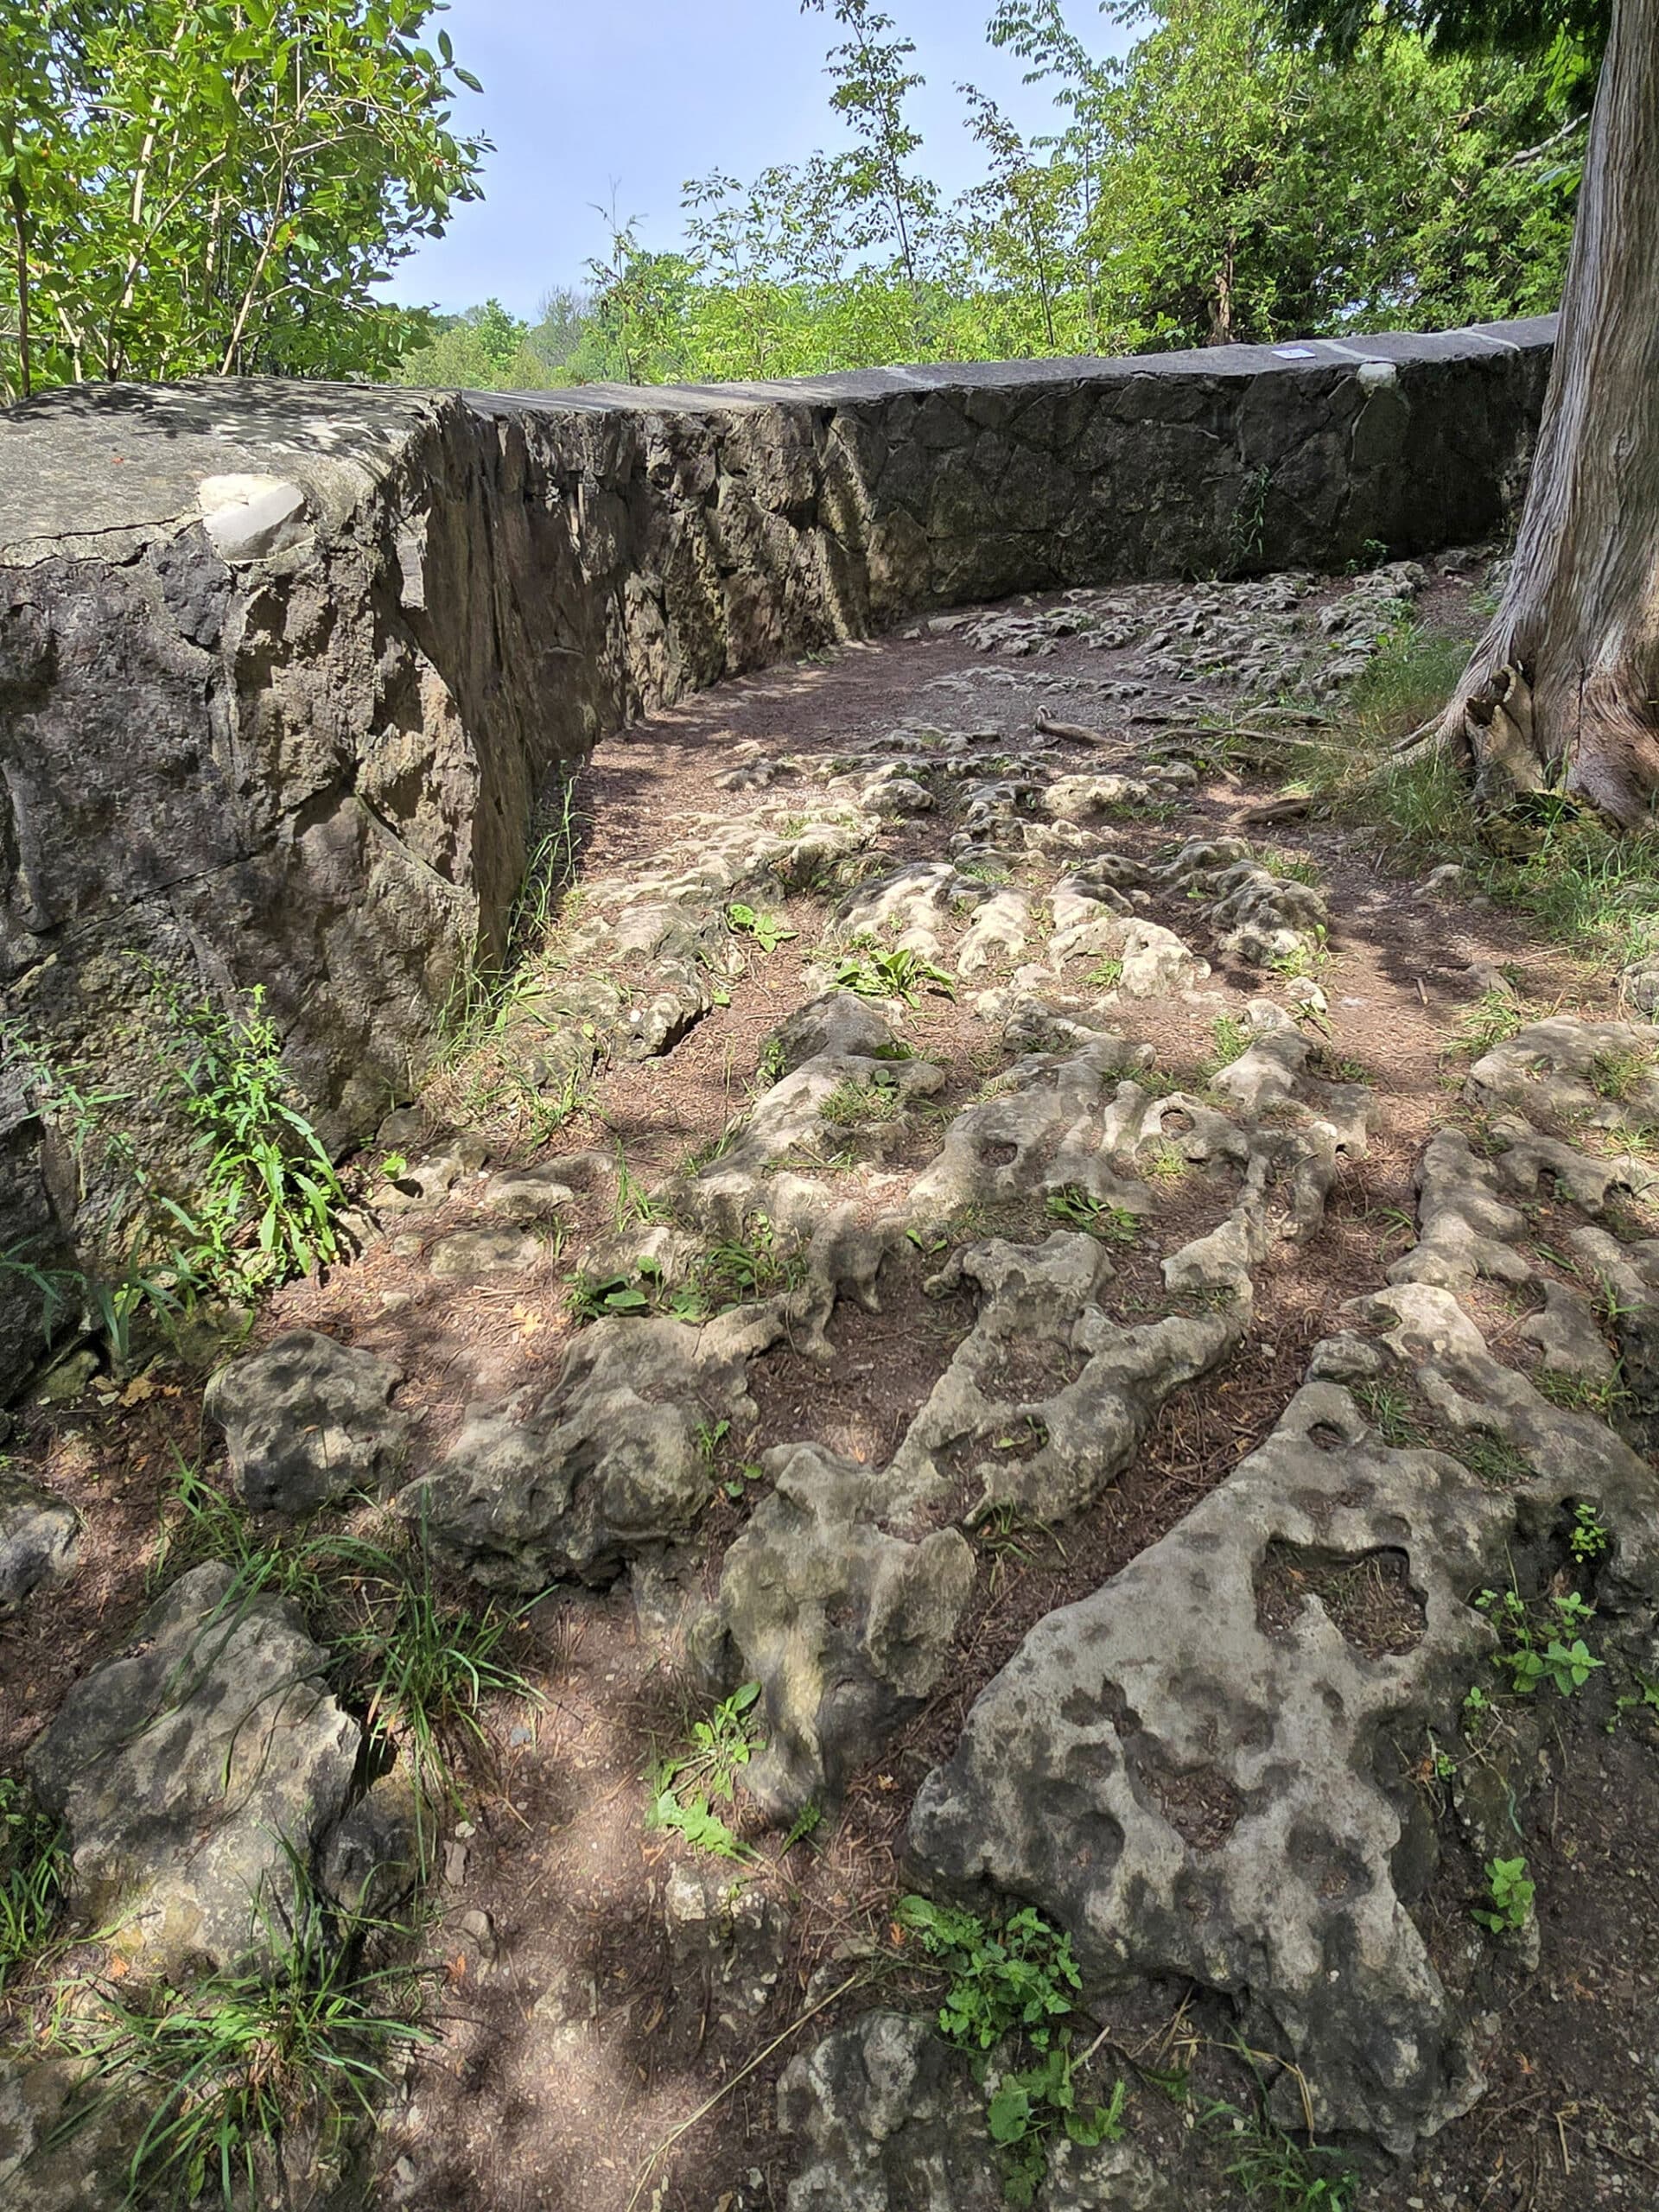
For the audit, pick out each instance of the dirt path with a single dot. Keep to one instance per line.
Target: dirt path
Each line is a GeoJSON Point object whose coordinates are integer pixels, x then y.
{"type": "Point", "coordinates": [601, 1981]}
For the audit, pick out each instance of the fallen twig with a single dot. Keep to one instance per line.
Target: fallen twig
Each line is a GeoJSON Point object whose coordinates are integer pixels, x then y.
{"type": "Point", "coordinates": [726, 2088]}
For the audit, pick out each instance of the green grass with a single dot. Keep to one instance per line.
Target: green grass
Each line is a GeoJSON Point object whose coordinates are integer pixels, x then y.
{"type": "Point", "coordinates": [852, 1104]}
{"type": "Point", "coordinates": [1493, 1018]}
{"type": "Point", "coordinates": [1080, 1208]}
{"type": "Point", "coordinates": [759, 1264]}
{"type": "Point", "coordinates": [1163, 1162]}
{"type": "Point", "coordinates": [1293, 868]}
{"type": "Point", "coordinates": [422, 1665]}
{"type": "Point", "coordinates": [1305, 959]}
{"type": "Point", "coordinates": [1229, 1040]}
{"type": "Point", "coordinates": [237, 2068]}
{"type": "Point", "coordinates": [1594, 892]}
{"type": "Point", "coordinates": [416, 1663]}
{"type": "Point", "coordinates": [1615, 1075]}
{"type": "Point", "coordinates": [1273, 2171]}
{"type": "Point", "coordinates": [1493, 1460]}
{"type": "Point", "coordinates": [1391, 1411]}
{"type": "Point", "coordinates": [34, 1870]}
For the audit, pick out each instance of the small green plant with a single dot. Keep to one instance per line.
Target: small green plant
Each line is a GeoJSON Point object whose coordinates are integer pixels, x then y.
{"type": "Point", "coordinates": [240, 2066]}
{"type": "Point", "coordinates": [1580, 1393]}
{"type": "Point", "coordinates": [773, 1064]}
{"type": "Point", "coordinates": [1106, 975]}
{"type": "Point", "coordinates": [61, 1291]}
{"type": "Point", "coordinates": [711, 1434]}
{"type": "Point", "coordinates": [686, 1786]}
{"type": "Point", "coordinates": [1271, 2169]}
{"type": "Point", "coordinates": [33, 1868]}
{"type": "Point", "coordinates": [643, 1289]}
{"type": "Point", "coordinates": [1587, 1540]}
{"type": "Point", "coordinates": [712, 1148]}
{"type": "Point", "coordinates": [1537, 1649]}
{"type": "Point", "coordinates": [1229, 1040]}
{"type": "Point", "coordinates": [1081, 1209]}
{"type": "Point", "coordinates": [1017, 1980]}
{"type": "Point", "coordinates": [1305, 959]}
{"type": "Point", "coordinates": [852, 1104]}
{"type": "Point", "coordinates": [1020, 1974]}
{"type": "Point", "coordinates": [737, 1485]}
{"type": "Point", "coordinates": [1030, 2106]}
{"type": "Point", "coordinates": [270, 1191]}
{"type": "Point", "coordinates": [804, 1826]}
{"type": "Point", "coordinates": [895, 973]}
{"type": "Point", "coordinates": [1510, 1895]}
{"type": "Point", "coordinates": [768, 931]}
{"type": "Point", "coordinates": [1644, 1698]}
{"type": "Point", "coordinates": [1493, 1018]}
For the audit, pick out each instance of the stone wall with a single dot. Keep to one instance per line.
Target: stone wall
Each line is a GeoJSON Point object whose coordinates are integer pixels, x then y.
{"type": "Point", "coordinates": [284, 667]}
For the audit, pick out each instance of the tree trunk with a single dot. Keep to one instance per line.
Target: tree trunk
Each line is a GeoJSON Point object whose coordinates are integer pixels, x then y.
{"type": "Point", "coordinates": [1563, 690]}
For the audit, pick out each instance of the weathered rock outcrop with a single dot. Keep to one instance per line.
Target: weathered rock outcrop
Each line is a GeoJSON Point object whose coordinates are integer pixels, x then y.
{"type": "Point", "coordinates": [283, 668]}
{"type": "Point", "coordinates": [194, 1773]}
{"type": "Point", "coordinates": [306, 1419]}
{"type": "Point", "coordinates": [37, 1539]}
{"type": "Point", "coordinates": [889, 2118]}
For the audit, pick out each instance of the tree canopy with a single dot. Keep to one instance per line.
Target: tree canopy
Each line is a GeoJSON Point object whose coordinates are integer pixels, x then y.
{"type": "Point", "coordinates": [1232, 177]}
{"type": "Point", "coordinates": [217, 185]}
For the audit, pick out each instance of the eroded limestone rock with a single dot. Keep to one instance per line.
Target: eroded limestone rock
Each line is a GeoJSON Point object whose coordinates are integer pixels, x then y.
{"type": "Point", "coordinates": [847, 1627]}
{"type": "Point", "coordinates": [1181, 1769]}
{"type": "Point", "coordinates": [39, 1538]}
{"type": "Point", "coordinates": [607, 1463]}
{"type": "Point", "coordinates": [187, 1769]}
{"type": "Point", "coordinates": [1601, 1073]}
{"type": "Point", "coordinates": [1057, 1126]}
{"type": "Point", "coordinates": [891, 2121]}
{"type": "Point", "coordinates": [1047, 1398]}
{"type": "Point", "coordinates": [306, 1420]}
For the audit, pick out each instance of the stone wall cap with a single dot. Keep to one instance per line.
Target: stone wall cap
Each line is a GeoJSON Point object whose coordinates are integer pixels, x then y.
{"type": "Point", "coordinates": [100, 470]}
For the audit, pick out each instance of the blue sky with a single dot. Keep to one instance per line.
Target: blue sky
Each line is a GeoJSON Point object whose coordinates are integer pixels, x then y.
{"type": "Point", "coordinates": [646, 93]}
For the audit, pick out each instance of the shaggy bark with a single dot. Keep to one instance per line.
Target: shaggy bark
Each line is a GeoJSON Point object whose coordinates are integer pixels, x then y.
{"type": "Point", "coordinates": [1563, 690]}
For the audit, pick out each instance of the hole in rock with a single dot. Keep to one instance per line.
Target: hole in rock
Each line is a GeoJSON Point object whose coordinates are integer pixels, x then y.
{"type": "Point", "coordinates": [1367, 1595]}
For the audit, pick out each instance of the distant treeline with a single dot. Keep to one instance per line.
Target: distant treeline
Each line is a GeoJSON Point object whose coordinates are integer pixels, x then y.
{"type": "Point", "coordinates": [1219, 182]}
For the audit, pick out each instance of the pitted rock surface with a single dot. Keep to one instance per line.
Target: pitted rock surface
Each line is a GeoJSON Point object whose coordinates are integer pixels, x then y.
{"type": "Point", "coordinates": [186, 1771]}
{"type": "Point", "coordinates": [1192, 1793]}
{"type": "Point", "coordinates": [847, 1627]}
{"type": "Point", "coordinates": [607, 1465]}
{"type": "Point", "coordinates": [306, 1420]}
